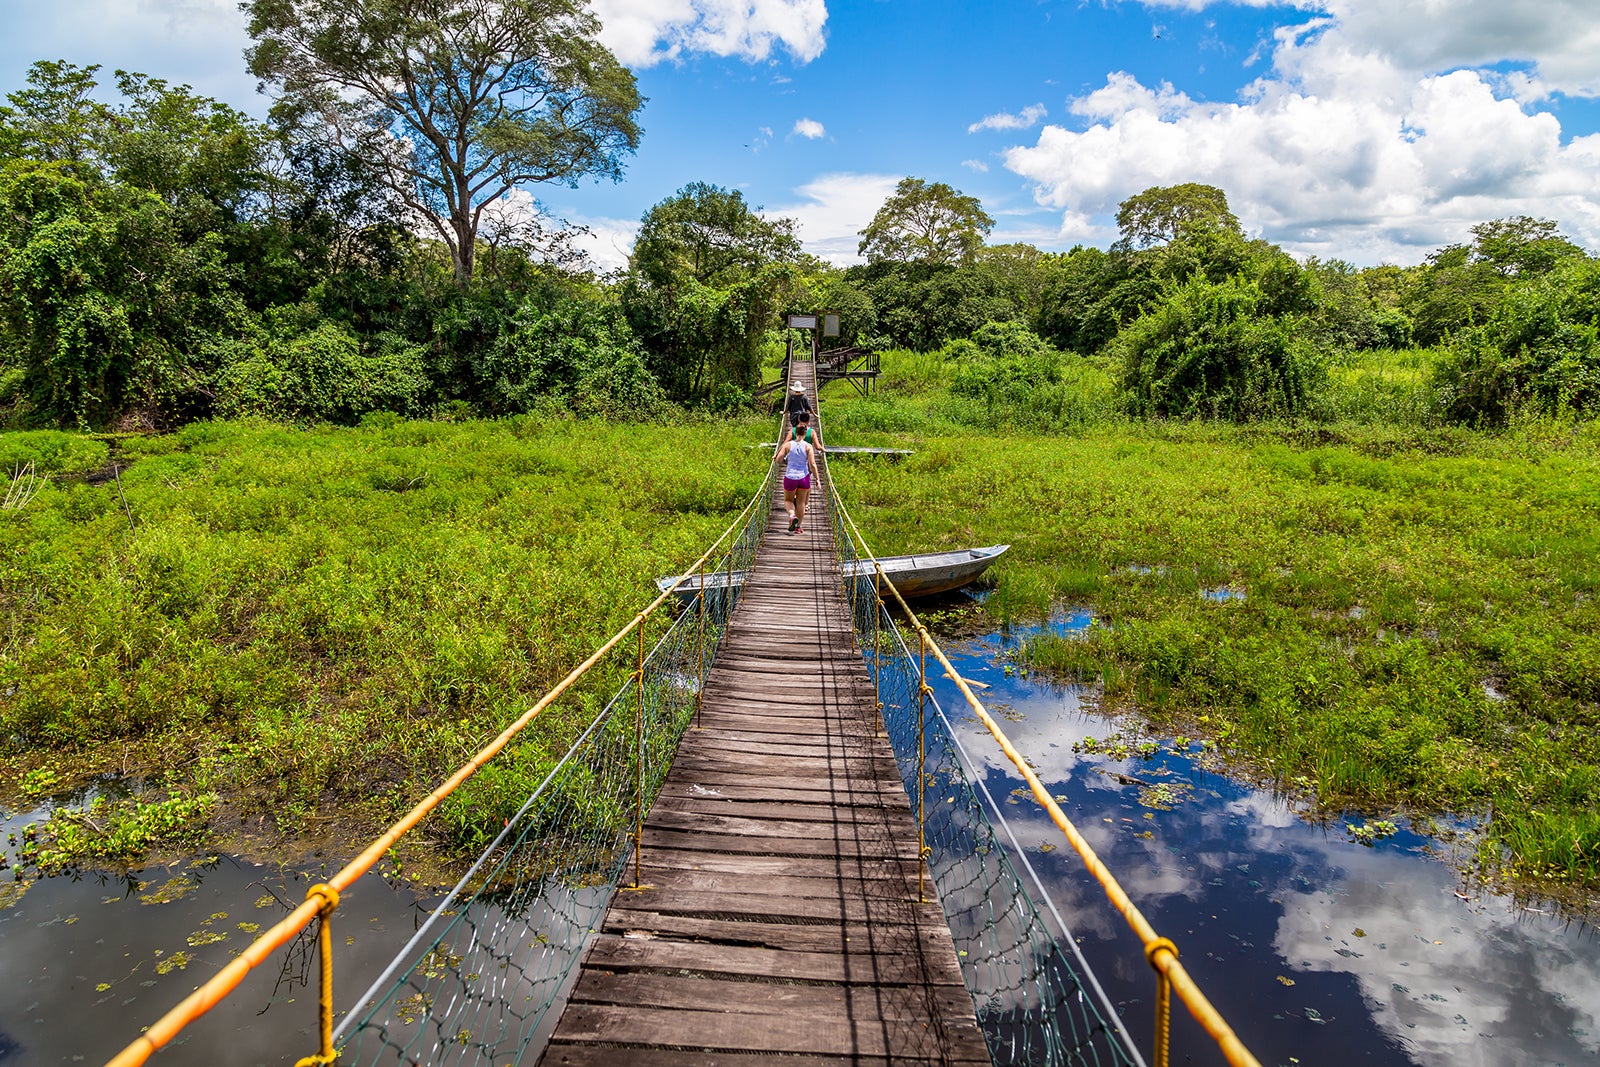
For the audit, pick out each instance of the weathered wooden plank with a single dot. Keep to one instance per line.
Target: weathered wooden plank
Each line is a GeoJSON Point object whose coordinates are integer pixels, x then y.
{"type": "Point", "coordinates": [755, 906]}
{"type": "Point", "coordinates": [734, 843]}
{"type": "Point", "coordinates": [598, 1055]}
{"type": "Point", "coordinates": [859, 967]}
{"type": "Point", "coordinates": [729, 1031]}
{"type": "Point", "coordinates": [865, 811]}
{"type": "Point", "coordinates": [898, 1003]}
{"type": "Point", "coordinates": [876, 828]}
{"type": "Point", "coordinates": [779, 790]}
{"type": "Point", "coordinates": [884, 884]}
{"type": "Point", "coordinates": [801, 937]}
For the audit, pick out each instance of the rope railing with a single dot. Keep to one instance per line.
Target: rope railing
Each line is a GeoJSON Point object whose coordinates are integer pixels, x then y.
{"type": "Point", "coordinates": [1029, 1028]}
{"type": "Point", "coordinates": [575, 832]}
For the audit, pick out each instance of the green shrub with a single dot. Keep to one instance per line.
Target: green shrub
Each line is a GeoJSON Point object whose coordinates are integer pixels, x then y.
{"type": "Point", "coordinates": [51, 452]}
{"type": "Point", "coordinates": [1540, 349]}
{"type": "Point", "coordinates": [579, 354]}
{"type": "Point", "coordinates": [1003, 362]}
{"type": "Point", "coordinates": [1205, 352]}
{"type": "Point", "coordinates": [321, 374]}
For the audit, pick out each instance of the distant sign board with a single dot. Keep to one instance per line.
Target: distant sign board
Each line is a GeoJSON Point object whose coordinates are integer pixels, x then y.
{"type": "Point", "coordinates": [802, 322]}
{"type": "Point", "coordinates": [830, 324]}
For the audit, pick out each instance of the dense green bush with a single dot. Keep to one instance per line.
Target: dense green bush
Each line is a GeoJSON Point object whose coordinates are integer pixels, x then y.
{"type": "Point", "coordinates": [1540, 349]}
{"type": "Point", "coordinates": [1002, 363]}
{"type": "Point", "coordinates": [104, 304]}
{"type": "Point", "coordinates": [1205, 351]}
{"type": "Point", "coordinates": [580, 353]}
{"type": "Point", "coordinates": [323, 374]}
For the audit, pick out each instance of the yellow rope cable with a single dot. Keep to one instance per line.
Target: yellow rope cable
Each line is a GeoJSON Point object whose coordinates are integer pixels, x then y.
{"type": "Point", "coordinates": [210, 994]}
{"type": "Point", "coordinates": [1162, 954]}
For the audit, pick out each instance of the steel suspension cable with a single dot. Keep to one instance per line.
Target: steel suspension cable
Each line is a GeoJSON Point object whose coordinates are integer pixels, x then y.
{"type": "Point", "coordinates": [1160, 952]}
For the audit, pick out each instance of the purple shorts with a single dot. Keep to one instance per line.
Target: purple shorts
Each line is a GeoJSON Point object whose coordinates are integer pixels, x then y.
{"type": "Point", "coordinates": [791, 484]}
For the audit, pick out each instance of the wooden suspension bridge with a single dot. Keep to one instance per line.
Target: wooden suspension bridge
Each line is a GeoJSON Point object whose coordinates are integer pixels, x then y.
{"type": "Point", "coordinates": [779, 907]}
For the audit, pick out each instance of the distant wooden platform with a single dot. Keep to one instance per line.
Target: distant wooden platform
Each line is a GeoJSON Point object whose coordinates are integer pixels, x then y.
{"type": "Point", "coordinates": [849, 450]}
{"type": "Point", "coordinates": [778, 921]}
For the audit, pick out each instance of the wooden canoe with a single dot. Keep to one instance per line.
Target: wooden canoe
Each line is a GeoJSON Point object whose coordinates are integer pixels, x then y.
{"type": "Point", "coordinates": [919, 574]}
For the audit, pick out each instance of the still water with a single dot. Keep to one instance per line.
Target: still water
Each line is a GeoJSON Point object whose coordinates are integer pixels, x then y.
{"type": "Point", "coordinates": [87, 962]}
{"type": "Point", "coordinates": [1317, 949]}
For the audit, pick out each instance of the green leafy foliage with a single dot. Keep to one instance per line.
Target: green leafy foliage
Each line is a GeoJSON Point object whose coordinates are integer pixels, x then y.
{"type": "Point", "coordinates": [459, 104]}
{"type": "Point", "coordinates": [102, 298]}
{"type": "Point", "coordinates": [579, 354]}
{"type": "Point", "coordinates": [705, 282]}
{"type": "Point", "coordinates": [1540, 349]}
{"type": "Point", "coordinates": [324, 373]}
{"type": "Point", "coordinates": [1421, 607]}
{"type": "Point", "coordinates": [1206, 351]}
{"type": "Point", "coordinates": [926, 223]}
{"type": "Point", "coordinates": [324, 620]}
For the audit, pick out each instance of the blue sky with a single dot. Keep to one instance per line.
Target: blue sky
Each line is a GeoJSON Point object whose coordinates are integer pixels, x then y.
{"type": "Point", "coordinates": [1369, 130]}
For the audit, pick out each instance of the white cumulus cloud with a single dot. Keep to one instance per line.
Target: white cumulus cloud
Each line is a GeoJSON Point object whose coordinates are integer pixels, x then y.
{"type": "Point", "coordinates": [832, 211]}
{"type": "Point", "coordinates": [1029, 117]}
{"type": "Point", "coordinates": [645, 32]}
{"type": "Point", "coordinates": [1558, 37]}
{"type": "Point", "coordinates": [1360, 143]}
{"type": "Point", "coordinates": [810, 129]}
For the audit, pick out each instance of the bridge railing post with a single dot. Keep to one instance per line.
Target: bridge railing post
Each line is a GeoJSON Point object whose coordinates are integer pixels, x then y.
{"type": "Point", "coordinates": [700, 647]}
{"type": "Point", "coordinates": [330, 900]}
{"type": "Point", "coordinates": [638, 796]}
{"type": "Point", "coordinates": [922, 765]}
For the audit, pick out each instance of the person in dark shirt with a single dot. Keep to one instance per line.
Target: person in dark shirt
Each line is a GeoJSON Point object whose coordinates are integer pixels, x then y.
{"type": "Point", "coordinates": [797, 402]}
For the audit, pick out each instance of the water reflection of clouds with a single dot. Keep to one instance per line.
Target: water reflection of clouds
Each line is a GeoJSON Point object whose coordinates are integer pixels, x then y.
{"type": "Point", "coordinates": [1254, 892]}
{"type": "Point", "coordinates": [1458, 983]}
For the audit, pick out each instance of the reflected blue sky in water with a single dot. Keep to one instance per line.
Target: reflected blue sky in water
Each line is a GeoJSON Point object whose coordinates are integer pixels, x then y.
{"type": "Point", "coordinates": [1312, 945]}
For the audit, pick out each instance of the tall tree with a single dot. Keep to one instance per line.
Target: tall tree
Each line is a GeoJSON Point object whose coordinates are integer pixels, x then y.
{"type": "Point", "coordinates": [931, 223]}
{"type": "Point", "coordinates": [54, 120]}
{"type": "Point", "coordinates": [1521, 245]}
{"type": "Point", "coordinates": [461, 101]}
{"type": "Point", "coordinates": [1162, 214]}
{"type": "Point", "coordinates": [705, 283]}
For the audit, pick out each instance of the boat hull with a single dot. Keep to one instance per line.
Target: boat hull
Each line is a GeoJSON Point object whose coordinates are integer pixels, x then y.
{"type": "Point", "coordinates": [917, 575]}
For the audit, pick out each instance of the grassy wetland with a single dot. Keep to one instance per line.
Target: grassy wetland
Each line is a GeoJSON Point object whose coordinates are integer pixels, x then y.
{"type": "Point", "coordinates": [274, 640]}
{"type": "Point", "coordinates": [304, 630]}
{"type": "Point", "coordinates": [1381, 617]}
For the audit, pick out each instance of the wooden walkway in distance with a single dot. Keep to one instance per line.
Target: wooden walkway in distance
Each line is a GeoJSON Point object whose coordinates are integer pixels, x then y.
{"type": "Point", "coordinates": [778, 921]}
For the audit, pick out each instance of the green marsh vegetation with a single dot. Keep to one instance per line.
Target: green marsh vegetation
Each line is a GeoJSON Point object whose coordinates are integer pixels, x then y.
{"type": "Point", "coordinates": [1415, 623]}
{"type": "Point", "coordinates": [304, 631]}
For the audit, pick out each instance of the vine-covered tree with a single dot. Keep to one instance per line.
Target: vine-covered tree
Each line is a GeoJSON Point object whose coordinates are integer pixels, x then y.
{"type": "Point", "coordinates": [461, 101]}
{"type": "Point", "coordinates": [926, 223]}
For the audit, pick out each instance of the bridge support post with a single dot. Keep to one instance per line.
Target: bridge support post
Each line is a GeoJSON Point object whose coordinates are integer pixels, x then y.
{"type": "Point", "coordinates": [638, 796]}
{"type": "Point", "coordinates": [700, 647]}
{"type": "Point", "coordinates": [922, 765]}
{"type": "Point", "coordinates": [330, 900]}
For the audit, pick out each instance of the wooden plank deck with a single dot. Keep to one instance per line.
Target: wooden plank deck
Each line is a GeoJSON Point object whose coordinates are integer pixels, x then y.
{"type": "Point", "coordinates": [778, 920]}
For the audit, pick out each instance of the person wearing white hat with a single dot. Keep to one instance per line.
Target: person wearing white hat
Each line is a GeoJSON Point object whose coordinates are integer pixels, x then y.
{"type": "Point", "coordinates": [797, 402]}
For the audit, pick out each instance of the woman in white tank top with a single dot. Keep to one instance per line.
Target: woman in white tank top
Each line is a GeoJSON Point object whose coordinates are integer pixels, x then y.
{"type": "Point", "coordinates": [799, 461]}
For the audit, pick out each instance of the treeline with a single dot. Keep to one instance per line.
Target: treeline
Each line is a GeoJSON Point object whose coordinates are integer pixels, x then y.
{"type": "Point", "coordinates": [167, 258]}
